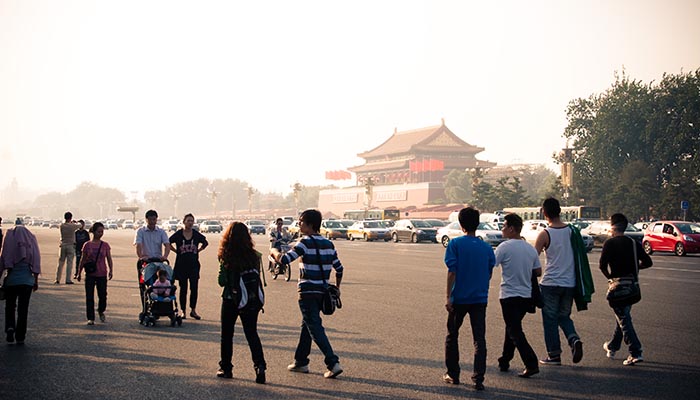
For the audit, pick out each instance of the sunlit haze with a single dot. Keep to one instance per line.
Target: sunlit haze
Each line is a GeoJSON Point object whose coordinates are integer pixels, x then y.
{"type": "Point", "coordinates": [140, 95]}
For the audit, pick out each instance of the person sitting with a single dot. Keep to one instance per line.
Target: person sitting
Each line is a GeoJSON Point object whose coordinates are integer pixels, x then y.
{"type": "Point", "coordinates": [161, 287]}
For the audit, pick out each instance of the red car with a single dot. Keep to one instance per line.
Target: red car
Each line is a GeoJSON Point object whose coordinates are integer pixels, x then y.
{"type": "Point", "coordinates": [679, 237]}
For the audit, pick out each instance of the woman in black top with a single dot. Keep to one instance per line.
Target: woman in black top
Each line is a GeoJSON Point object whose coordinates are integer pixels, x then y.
{"type": "Point", "coordinates": [619, 254]}
{"type": "Point", "coordinates": [188, 244]}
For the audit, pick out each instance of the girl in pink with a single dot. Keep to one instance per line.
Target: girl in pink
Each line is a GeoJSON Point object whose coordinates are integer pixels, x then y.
{"type": "Point", "coordinates": [99, 252]}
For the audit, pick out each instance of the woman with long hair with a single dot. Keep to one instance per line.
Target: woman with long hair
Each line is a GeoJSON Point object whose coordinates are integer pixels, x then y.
{"type": "Point", "coordinates": [240, 276]}
{"type": "Point", "coordinates": [98, 252]}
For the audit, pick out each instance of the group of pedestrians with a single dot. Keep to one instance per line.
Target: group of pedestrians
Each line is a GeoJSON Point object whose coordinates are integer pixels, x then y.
{"type": "Point", "coordinates": [469, 261]}
{"type": "Point", "coordinates": [565, 280]}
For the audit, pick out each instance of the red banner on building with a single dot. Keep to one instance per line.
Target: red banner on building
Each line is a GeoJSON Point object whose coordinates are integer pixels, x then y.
{"type": "Point", "coordinates": [426, 165]}
{"type": "Point", "coordinates": [338, 175]}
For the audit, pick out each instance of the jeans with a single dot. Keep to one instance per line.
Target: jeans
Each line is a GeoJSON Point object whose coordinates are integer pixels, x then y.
{"type": "Point", "coordinates": [17, 296]}
{"type": "Point", "coordinates": [90, 283]}
{"type": "Point", "coordinates": [556, 312]}
{"type": "Point", "coordinates": [625, 329]}
{"type": "Point", "coordinates": [514, 310]}
{"type": "Point", "coordinates": [66, 256]}
{"type": "Point", "coordinates": [477, 319]}
{"type": "Point", "coordinates": [193, 286]}
{"type": "Point", "coordinates": [312, 329]}
{"type": "Point", "coordinates": [249, 320]}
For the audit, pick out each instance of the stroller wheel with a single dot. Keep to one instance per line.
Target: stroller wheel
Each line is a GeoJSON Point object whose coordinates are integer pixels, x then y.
{"type": "Point", "coordinates": [141, 318]}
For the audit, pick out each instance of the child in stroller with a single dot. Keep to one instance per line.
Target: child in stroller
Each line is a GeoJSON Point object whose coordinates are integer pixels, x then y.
{"type": "Point", "coordinates": [158, 294]}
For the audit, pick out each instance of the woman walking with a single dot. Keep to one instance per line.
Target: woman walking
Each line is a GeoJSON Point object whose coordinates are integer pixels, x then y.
{"type": "Point", "coordinates": [625, 257]}
{"type": "Point", "coordinates": [188, 244]}
{"type": "Point", "coordinates": [240, 276]}
{"type": "Point", "coordinates": [97, 262]}
{"type": "Point", "coordinates": [20, 257]}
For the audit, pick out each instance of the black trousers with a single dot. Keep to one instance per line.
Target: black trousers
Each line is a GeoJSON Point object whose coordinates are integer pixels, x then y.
{"type": "Point", "coordinates": [193, 287]}
{"type": "Point", "coordinates": [90, 284]}
{"type": "Point", "coordinates": [17, 298]}
{"type": "Point", "coordinates": [514, 310]}
{"type": "Point", "coordinates": [477, 319]}
{"type": "Point", "coordinates": [249, 320]}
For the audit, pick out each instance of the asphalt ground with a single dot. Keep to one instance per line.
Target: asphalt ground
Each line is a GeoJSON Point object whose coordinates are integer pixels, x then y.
{"type": "Point", "coordinates": [389, 336]}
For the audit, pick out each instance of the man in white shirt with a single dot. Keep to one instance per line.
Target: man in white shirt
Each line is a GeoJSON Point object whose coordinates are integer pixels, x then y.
{"type": "Point", "coordinates": [519, 261]}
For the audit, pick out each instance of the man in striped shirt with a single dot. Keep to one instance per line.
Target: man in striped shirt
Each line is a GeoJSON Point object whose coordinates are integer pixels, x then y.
{"type": "Point", "coordinates": [318, 257]}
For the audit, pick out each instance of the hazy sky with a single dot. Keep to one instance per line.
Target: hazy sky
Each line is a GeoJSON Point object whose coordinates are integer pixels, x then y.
{"type": "Point", "coordinates": [143, 94]}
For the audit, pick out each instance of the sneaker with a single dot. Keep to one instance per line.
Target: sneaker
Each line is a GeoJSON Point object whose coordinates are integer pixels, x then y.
{"type": "Point", "coordinates": [10, 335]}
{"type": "Point", "coordinates": [551, 361]}
{"type": "Point", "coordinates": [631, 360]}
{"type": "Point", "coordinates": [91, 322]}
{"type": "Point", "coordinates": [102, 317]}
{"type": "Point", "coordinates": [228, 374]}
{"type": "Point", "coordinates": [304, 369]}
{"type": "Point", "coordinates": [577, 351]}
{"type": "Point", "coordinates": [448, 379]}
{"type": "Point", "coordinates": [479, 386]}
{"type": "Point", "coordinates": [69, 283]}
{"type": "Point", "coordinates": [528, 372]}
{"type": "Point", "coordinates": [608, 353]}
{"type": "Point", "coordinates": [333, 372]}
{"type": "Point", "coordinates": [56, 282]}
{"type": "Point", "coordinates": [260, 375]}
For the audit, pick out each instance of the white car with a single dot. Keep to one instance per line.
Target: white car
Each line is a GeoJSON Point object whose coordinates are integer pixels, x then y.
{"type": "Point", "coordinates": [210, 226]}
{"type": "Point", "coordinates": [484, 231]}
{"type": "Point", "coordinates": [169, 225]}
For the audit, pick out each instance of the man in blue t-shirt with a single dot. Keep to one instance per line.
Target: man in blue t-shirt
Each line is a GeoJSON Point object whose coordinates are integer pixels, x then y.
{"type": "Point", "coordinates": [470, 262]}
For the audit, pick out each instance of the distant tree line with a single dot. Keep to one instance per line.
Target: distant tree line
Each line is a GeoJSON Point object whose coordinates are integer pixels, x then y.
{"type": "Point", "coordinates": [636, 146]}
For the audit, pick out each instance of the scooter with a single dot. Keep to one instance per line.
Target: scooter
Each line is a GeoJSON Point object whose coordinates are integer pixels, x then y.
{"type": "Point", "coordinates": [276, 268]}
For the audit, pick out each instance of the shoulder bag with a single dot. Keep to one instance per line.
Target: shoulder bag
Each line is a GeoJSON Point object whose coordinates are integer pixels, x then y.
{"type": "Point", "coordinates": [625, 291]}
{"type": "Point", "coordinates": [91, 266]}
{"type": "Point", "coordinates": [331, 294]}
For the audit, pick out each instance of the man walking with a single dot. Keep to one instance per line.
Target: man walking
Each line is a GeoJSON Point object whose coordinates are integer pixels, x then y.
{"type": "Point", "coordinates": [81, 237]}
{"type": "Point", "coordinates": [558, 285]}
{"type": "Point", "coordinates": [67, 248]}
{"type": "Point", "coordinates": [318, 257]}
{"type": "Point", "coordinates": [519, 261]}
{"type": "Point", "coordinates": [469, 263]}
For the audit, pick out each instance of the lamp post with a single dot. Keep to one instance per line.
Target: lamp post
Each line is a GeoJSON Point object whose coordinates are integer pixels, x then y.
{"type": "Point", "coordinates": [296, 189]}
{"type": "Point", "coordinates": [369, 186]}
{"type": "Point", "coordinates": [251, 192]}
{"type": "Point", "coordinates": [213, 194]}
{"type": "Point", "coordinates": [175, 196]}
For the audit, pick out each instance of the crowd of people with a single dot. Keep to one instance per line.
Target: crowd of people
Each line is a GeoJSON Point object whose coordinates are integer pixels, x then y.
{"type": "Point", "coordinates": [525, 285]}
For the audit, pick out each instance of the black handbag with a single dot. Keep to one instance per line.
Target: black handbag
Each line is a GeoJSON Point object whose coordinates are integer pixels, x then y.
{"type": "Point", "coordinates": [625, 291]}
{"type": "Point", "coordinates": [91, 266]}
{"type": "Point", "coordinates": [331, 295]}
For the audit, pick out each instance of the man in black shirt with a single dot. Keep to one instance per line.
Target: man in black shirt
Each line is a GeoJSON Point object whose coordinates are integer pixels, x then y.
{"type": "Point", "coordinates": [81, 237]}
{"type": "Point", "coordinates": [619, 255]}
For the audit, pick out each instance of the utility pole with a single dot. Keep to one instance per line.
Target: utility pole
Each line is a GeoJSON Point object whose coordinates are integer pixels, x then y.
{"type": "Point", "coordinates": [296, 189]}
{"type": "Point", "coordinates": [251, 192]}
{"type": "Point", "coordinates": [175, 196]}
{"type": "Point", "coordinates": [368, 194]}
{"type": "Point", "coordinates": [567, 171]}
{"type": "Point", "coordinates": [213, 194]}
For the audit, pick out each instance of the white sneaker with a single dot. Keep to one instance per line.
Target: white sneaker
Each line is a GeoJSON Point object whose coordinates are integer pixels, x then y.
{"type": "Point", "coordinates": [333, 372]}
{"type": "Point", "coordinates": [91, 322]}
{"type": "Point", "coordinates": [632, 360]}
{"type": "Point", "coordinates": [608, 353]}
{"type": "Point", "coordinates": [293, 367]}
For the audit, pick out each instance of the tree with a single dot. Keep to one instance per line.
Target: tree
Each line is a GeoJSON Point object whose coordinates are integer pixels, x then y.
{"type": "Point", "coordinates": [458, 187]}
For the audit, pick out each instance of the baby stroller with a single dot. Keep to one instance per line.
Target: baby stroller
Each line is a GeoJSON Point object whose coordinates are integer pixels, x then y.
{"type": "Point", "coordinates": [156, 305]}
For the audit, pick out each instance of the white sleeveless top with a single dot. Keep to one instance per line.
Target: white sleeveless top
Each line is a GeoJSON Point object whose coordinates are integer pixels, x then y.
{"type": "Point", "coordinates": [559, 268]}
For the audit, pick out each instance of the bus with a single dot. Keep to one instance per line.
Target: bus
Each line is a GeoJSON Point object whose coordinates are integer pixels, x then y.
{"type": "Point", "coordinates": [568, 214]}
{"type": "Point", "coordinates": [359, 215]}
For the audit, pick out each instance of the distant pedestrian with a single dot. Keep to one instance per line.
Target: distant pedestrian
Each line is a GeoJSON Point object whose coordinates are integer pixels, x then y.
{"type": "Point", "coordinates": [519, 262]}
{"type": "Point", "coordinates": [240, 275]}
{"type": "Point", "coordinates": [152, 244]}
{"type": "Point", "coordinates": [470, 263]}
{"type": "Point", "coordinates": [318, 258]}
{"type": "Point", "coordinates": [558, 285]}
{"type": "Point", "coordinates": [99, 252]}
{"type": "Point", "coordinates": [618, 260]}
{"type": "Point", "coordinates": [20, 257]}
{"type": "Point", "coordinates": [0, 233]}
{"type": "Point", "coordinates": [81, 237]}
{"type": "Point", "coordinates": [188, 244]}
{"type": "Point", "coordinates": [67, 248]}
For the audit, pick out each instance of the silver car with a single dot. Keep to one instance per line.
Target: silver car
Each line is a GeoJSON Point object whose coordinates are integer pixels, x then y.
{"type": "Point", "coordinates": [484, 231]}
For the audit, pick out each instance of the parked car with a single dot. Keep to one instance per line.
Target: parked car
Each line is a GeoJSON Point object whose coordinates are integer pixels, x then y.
{"type": "Point", "coordinates": [677, 236]}
{"type": "Point", "coordinates": [210, 226]}
{"type": "Point", "coordinates": [256, 226]}
{"type": "Point", "coordinates": [54, 224]}
{"type": "Point", "coordinates": [111, 225]}
{"type": "Point", "coordinates": [368, 231]}
{"type": "Point", "coordinates": [388, 223]}
{"type": "Point", "coordinates": [642, 226]}
{"type": "Point", "coordinates": [169, 225]}
{"type": "Point", "coordinates": [600, 232]}
{"type": "Point", "coordinates": [333, 229]}
{"type": "Point", "coordinates": [293, 229]}
{"type": "Point", "coordinates": [346, 222]}
{"type": "Point", "coordinates": [533, 227]}
{"type": "Point", "coordinates": [436, 223]}
{"type": "Point", "coordinates": [128, 224]}
{"type": "Point", "coordinates": [415, 230]}
{"type": "Point", "coordinates": [485, 232]}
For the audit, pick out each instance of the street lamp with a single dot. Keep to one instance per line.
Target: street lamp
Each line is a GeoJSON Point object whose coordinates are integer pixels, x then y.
{"type": "Point", "coordinates": [251, 192]}
{"type": "Point", "coordinates": [213, 194]}
{"type": "Point", "coordinates": [296, 189]}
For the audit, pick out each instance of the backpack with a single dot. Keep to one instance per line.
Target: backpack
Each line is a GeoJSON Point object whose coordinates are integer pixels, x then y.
{"type": "Point", "coordinates": [251, 288]}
